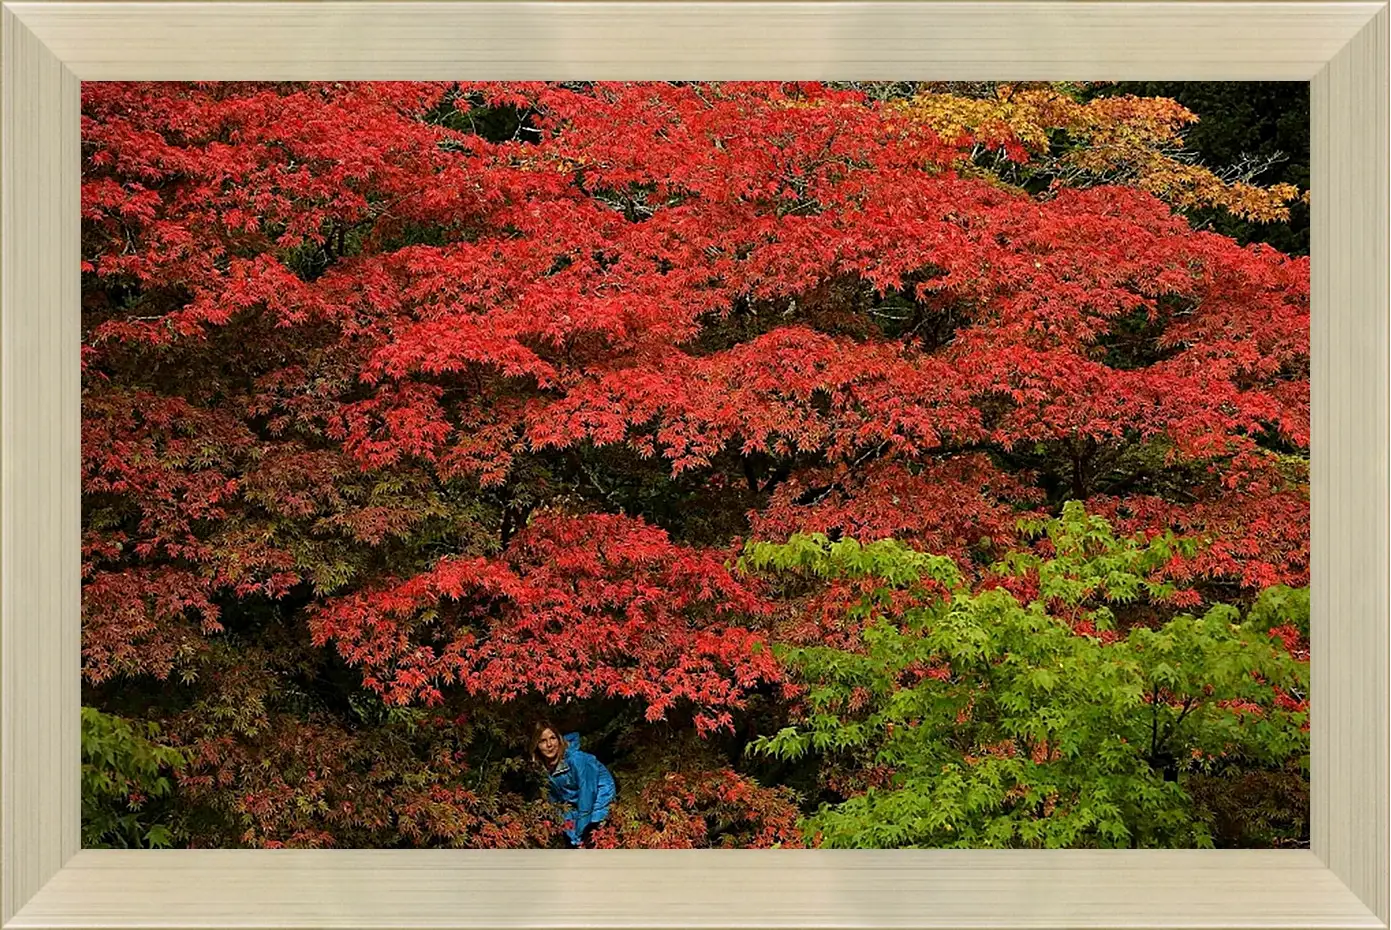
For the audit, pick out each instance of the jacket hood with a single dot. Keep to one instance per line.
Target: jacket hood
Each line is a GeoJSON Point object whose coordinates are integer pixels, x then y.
{"type": "Point", "coordinates": [572, 740]}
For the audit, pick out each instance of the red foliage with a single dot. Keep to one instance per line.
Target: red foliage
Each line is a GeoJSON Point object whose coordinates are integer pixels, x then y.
{"type": "Point", "coordinates": [578, 607]}
{"type": "Point", "coordinates": [335, 348]}
{"type": "Point", "coordinates": [1253, 523]}
{"type": "Point", "coordinates": [701, 810]}
{"type": "Point", "coordinates": [949, 506]}
{"type": "Point", "coordinates": [313, 785]}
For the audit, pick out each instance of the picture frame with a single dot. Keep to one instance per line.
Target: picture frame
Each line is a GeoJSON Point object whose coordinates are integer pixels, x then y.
{"type": "Point", "coordinates": [48, 881]}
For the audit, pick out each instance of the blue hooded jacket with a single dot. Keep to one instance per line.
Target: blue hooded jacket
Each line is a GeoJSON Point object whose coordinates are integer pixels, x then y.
{"type": "Point", "coordinates": [582, 785]}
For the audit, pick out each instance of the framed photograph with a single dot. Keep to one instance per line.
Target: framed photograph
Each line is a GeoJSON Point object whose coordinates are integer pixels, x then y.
{"type": "Point", "coordinates": [714, 464]}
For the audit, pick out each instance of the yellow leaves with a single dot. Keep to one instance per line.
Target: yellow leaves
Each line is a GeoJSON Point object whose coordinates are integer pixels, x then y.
{"type": "Point", "coordinates": [1136, 141]}
{"type": "Point", "coordinates": [798, 103]}
{"type": "Point", "coordinates": [1189, 186]}
{"type": "Point", "coordinates": [1125, 121]}
{"type": "Point", "coordinates": [989, 120]}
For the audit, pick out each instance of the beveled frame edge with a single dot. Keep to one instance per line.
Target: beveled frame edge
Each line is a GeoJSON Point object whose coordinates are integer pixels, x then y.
{"type": "Point", "coordinates": [46, 881]}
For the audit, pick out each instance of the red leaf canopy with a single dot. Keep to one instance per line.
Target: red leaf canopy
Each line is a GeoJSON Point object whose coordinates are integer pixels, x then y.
{"type": "Point", "coordinates": [349, 352]}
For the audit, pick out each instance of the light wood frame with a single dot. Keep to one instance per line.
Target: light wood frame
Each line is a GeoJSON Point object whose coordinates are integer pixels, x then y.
{"type": "Point", "coordinates": [46, 880]}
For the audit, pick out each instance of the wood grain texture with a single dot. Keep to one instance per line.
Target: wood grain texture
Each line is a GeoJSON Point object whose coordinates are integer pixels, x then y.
{"type": "Point", "coordinates": [701, 888]}
{"type": "Point", "coordinates": [671, 40]}
{"type": "Point", "coordinates": [39, 450]}
{"type": "Point", "coordinates": [1349, 467]}
{"type": "Point", "coordinates": [47, 47]}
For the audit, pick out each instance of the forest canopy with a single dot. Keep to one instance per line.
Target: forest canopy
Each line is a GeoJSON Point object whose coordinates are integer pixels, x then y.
{"type": "Point", "coordinates": [854, 465]}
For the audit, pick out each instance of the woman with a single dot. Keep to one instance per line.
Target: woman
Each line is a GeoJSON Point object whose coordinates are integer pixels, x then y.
{"type": "Point", "coordinates": [578, 781]}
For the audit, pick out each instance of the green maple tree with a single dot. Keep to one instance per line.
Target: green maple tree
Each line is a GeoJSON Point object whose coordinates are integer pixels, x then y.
{"type": "Point", "coordinates": [993, 720]}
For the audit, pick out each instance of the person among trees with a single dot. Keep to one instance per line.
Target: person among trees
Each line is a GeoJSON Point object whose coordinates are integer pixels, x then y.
{"type": "Point", "coordinates": [578, 781]}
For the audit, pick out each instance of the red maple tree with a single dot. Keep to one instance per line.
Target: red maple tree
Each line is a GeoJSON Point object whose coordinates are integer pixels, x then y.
{"type": "Point", "coordinates": [480, 385]}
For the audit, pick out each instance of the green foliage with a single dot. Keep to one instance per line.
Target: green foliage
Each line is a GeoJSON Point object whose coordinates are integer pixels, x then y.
{"type": "Point", "coordinates": [1001, 725]}
{"type": "Point", "coordinates": [887, 559]}
{"type": "Point", "coordinates": [1090, 562]}
{"type": "Point", "coordinates": [125, 777]}
{"type": "Point", "coordinates": [1280, 605]}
